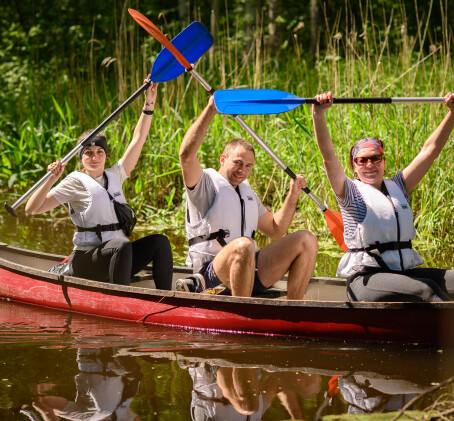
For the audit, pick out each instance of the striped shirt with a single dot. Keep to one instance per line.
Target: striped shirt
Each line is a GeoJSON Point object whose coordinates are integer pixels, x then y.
{"type": "Point", "coordinates": [354, 208]}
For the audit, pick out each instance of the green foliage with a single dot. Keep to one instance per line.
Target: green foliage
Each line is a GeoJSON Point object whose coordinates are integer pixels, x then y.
{"type": "Point", "coordinates": [65, 67]}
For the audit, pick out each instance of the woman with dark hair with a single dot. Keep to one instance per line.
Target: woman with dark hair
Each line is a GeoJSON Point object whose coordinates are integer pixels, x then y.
{"type": "Point", "coordinates": [381, 264]}
{"type": "Point", "coordinates": [102, 251]}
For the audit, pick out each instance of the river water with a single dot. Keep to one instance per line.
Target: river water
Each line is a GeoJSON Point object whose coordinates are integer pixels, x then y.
{"type": "Point", "coordinates": [57, 366]}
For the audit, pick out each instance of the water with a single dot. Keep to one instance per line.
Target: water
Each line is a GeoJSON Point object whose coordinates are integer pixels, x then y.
{"type": "Point", "coordinates": [57, 365]}
{"type": "Point", "coordinates": [68, 364]}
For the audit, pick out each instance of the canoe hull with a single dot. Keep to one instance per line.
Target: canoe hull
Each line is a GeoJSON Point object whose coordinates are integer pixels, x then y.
{"type": "Point", "coordinates": [390, 322]}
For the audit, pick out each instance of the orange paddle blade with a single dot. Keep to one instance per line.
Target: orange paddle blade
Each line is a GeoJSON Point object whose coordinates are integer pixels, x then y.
{"type": "Point", "coordinates": [336, 226]}
{"type": "Point", "coordinates": [154, 31]}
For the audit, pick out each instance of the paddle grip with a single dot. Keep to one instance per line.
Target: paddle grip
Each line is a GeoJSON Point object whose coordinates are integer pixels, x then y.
{"type": "Point", "coordinates": [362, 100]}
{"type": "Point", "coordinates": [75, 150]}
{"type": "Point", "coordinates": [383, 100]}
{"type": "Point", "coordinates": [290, 173]}
{"type": "Point", "coordinates": [352, 101]}
{"type": "Point", "coordinates": [10, 210]}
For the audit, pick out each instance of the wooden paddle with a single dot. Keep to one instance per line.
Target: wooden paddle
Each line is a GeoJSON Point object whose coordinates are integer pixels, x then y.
{"type": "Point", "coordinates": [333, 219]}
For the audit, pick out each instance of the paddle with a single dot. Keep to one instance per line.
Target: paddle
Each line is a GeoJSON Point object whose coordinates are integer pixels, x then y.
{"type": "Point", "coordinates": [333, 219]}
{"type": "Point", "coordinates": [272, 101]}
{"type": "Point", "coordinates": [165, 68]}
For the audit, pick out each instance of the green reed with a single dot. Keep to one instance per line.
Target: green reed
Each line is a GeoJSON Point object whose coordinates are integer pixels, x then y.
{"type": "Point", "coordinates": [358, 61]}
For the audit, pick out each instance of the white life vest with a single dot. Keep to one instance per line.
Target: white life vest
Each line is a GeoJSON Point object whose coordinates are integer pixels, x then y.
{"type": "Point", "coordinates": [100, 211]}
{"type": "Point", "coordinates": [385, 223]}
{"type": "Point", "coordinates": [207, 237]}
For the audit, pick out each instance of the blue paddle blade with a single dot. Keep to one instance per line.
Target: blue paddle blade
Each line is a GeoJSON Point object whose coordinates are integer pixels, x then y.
{"type": "Point", "coordinates": [255, 101]}
{"type": "Point", "coordinates": [192, 42]}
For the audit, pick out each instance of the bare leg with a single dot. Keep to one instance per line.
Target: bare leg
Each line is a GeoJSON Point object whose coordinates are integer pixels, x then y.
{"type": "Point", "coordinates": [235, 266]}
{"type": "Point", "coordinates": [240, 386]}
{"type": "Point", "coordinates": [295, 253]}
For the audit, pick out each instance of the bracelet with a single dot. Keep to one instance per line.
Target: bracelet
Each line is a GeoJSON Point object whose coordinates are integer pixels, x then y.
{"type": "Point", "coordinates": [148, 112]}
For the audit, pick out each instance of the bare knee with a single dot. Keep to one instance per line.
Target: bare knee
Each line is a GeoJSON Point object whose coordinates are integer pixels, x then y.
{"type": "Point", "coordinates": [243, 247]}
{"type": "Point", "coordinates": [306, 242]}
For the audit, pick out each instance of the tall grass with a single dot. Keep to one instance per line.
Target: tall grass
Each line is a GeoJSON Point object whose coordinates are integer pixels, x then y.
{"type": "Point", "coordinates": [360, 59]}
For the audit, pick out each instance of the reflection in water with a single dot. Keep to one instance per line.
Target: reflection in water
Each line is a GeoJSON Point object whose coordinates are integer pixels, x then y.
{"type": "Point", "coordinates": [67, 366]}
{"type": "Point", "coordinates": [370, 395]}
{"type": "Point", "coordinates": [108, 382]}
{"type": "Point", "coordinates": [239, 393]}
{"type": "Point", "coordinates": [105, 386]}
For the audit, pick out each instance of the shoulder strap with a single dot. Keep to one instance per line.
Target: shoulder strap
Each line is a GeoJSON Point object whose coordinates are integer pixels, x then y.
{"type": "Point", "coordinates": [107, 186]}
{"type": "Point", "coordinates": [243, 211]}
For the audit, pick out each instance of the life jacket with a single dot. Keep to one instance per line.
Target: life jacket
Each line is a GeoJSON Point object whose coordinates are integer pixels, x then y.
{"type": "Point", "coordinates": [233, 214]}
{"type": "Point", "coordinates": [98, 223]}
{"type": "Point", "coordinates": [383, 239]}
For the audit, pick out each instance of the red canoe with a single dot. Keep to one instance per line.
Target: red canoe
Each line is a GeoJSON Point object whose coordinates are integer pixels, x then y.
{"type": "Point", "coordinates": [324, 313]}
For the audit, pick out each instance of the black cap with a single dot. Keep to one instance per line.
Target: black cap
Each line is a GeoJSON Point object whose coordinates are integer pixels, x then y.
{"type": "Point", "coordinates": [96, 141]}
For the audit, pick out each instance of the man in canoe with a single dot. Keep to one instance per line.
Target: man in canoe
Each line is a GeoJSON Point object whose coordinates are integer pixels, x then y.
{"type": "Point", "coordinates": [102, 251]}
{"type": "Point", "coordinates": [381, 264]}
{"type": "Point", "coordinates": [223, 214]}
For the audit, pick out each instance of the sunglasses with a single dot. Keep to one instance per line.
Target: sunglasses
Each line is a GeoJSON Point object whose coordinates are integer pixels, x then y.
{"type": "Point", "coordinates": [364, 159]}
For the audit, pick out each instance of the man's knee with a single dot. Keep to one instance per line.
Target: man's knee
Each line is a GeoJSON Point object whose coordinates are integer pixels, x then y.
{"type": "Point", "coordinates": [243, 246]}
{"type": "Point", "coordinates": [306, 242]}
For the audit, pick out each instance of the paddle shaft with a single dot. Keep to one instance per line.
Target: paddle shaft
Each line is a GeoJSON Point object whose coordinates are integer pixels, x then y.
{"type": "Point", "coordinates": [75, 150]}
{"type": "Point", "coordinates": [396, 100]}
{"type": "Point", "coordinates": [257, 138]}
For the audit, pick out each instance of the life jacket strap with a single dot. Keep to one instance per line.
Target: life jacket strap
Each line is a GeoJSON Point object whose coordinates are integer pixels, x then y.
{"type": "Point", "coordinates": [377, 249]}
{"type": "Point", "coordinates": [218, 236]}
{"type": "Point", "coordinates": [382, 247]}
{"type": "Point", "coordinates": [99, 229]}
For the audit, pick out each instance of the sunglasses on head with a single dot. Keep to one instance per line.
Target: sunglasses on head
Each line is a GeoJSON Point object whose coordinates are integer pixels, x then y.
{"type": "Point", "coordinates": [373, 159]}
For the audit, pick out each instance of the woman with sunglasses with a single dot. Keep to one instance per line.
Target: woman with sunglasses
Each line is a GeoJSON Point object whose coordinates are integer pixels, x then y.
{"type": "Point", "coordinates": [102, 251]}
{"type": "Point", "coordinates": [381, 264]}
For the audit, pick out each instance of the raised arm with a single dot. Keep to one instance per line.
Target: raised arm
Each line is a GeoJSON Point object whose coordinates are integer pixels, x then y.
{"type": "Point", "coordinates": [432, 147]}
{"type": "Point", "coordinates": [41, 201]}
{"type": "Point", "coordinates": [333, 167]}
{"type": "Point", "coordinates": [276, 225]}
{"type": "Point", "coordinates": [190, 165]}
{"type": "Point", "coordinates": [131, 156]}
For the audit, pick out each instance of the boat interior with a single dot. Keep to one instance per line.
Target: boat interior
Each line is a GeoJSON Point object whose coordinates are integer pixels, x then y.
{"type": "Point", "coordinates": [319, 289]}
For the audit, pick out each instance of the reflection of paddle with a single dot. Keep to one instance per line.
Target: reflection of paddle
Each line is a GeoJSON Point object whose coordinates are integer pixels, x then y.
{"type": "Point", "coordinates": [165, 68]}
{"type": "Point", "coordinates": [31, 415]}
{"type": "Point", "coordinates": [271, 101]}
{"type": "Point", "coordinates": [333, 390]}
{"type": "Point", "coordinates": [333, 219]}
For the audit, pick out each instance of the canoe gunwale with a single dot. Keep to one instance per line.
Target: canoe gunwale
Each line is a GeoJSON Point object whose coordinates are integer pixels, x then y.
{"type": "Point", "coordinates": [149, 293]}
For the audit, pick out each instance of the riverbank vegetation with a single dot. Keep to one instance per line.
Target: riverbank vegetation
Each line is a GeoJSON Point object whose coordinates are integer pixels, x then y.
{"type": "Point", "coordinates": [54, 89]}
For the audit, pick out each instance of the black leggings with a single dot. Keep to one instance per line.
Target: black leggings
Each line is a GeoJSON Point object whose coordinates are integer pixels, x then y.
{"type": "Point", "coordinates": [414, 285]}
{"type": "Point", "coordinates": [115, 261]}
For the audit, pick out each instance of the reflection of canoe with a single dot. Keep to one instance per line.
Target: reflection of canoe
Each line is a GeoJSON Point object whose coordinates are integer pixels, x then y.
{"type": "Point", "coordinates": [158, 345]}
{"type": "Point", "coordinates": [373, 362]}
{"type": "Point", "coordinates": [323, 314]}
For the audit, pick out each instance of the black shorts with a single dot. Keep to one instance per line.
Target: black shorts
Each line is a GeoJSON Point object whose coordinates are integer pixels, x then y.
{"type": "Point", "coordinates": [212, 280]}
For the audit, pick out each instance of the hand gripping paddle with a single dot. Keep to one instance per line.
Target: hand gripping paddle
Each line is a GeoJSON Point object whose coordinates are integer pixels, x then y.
{"type": "Point", "coordinates": [333, 219]}
{"type": "Point", "coordinates": [165, 68]}
{"type": "Point", "coordinates": [272, 101]}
